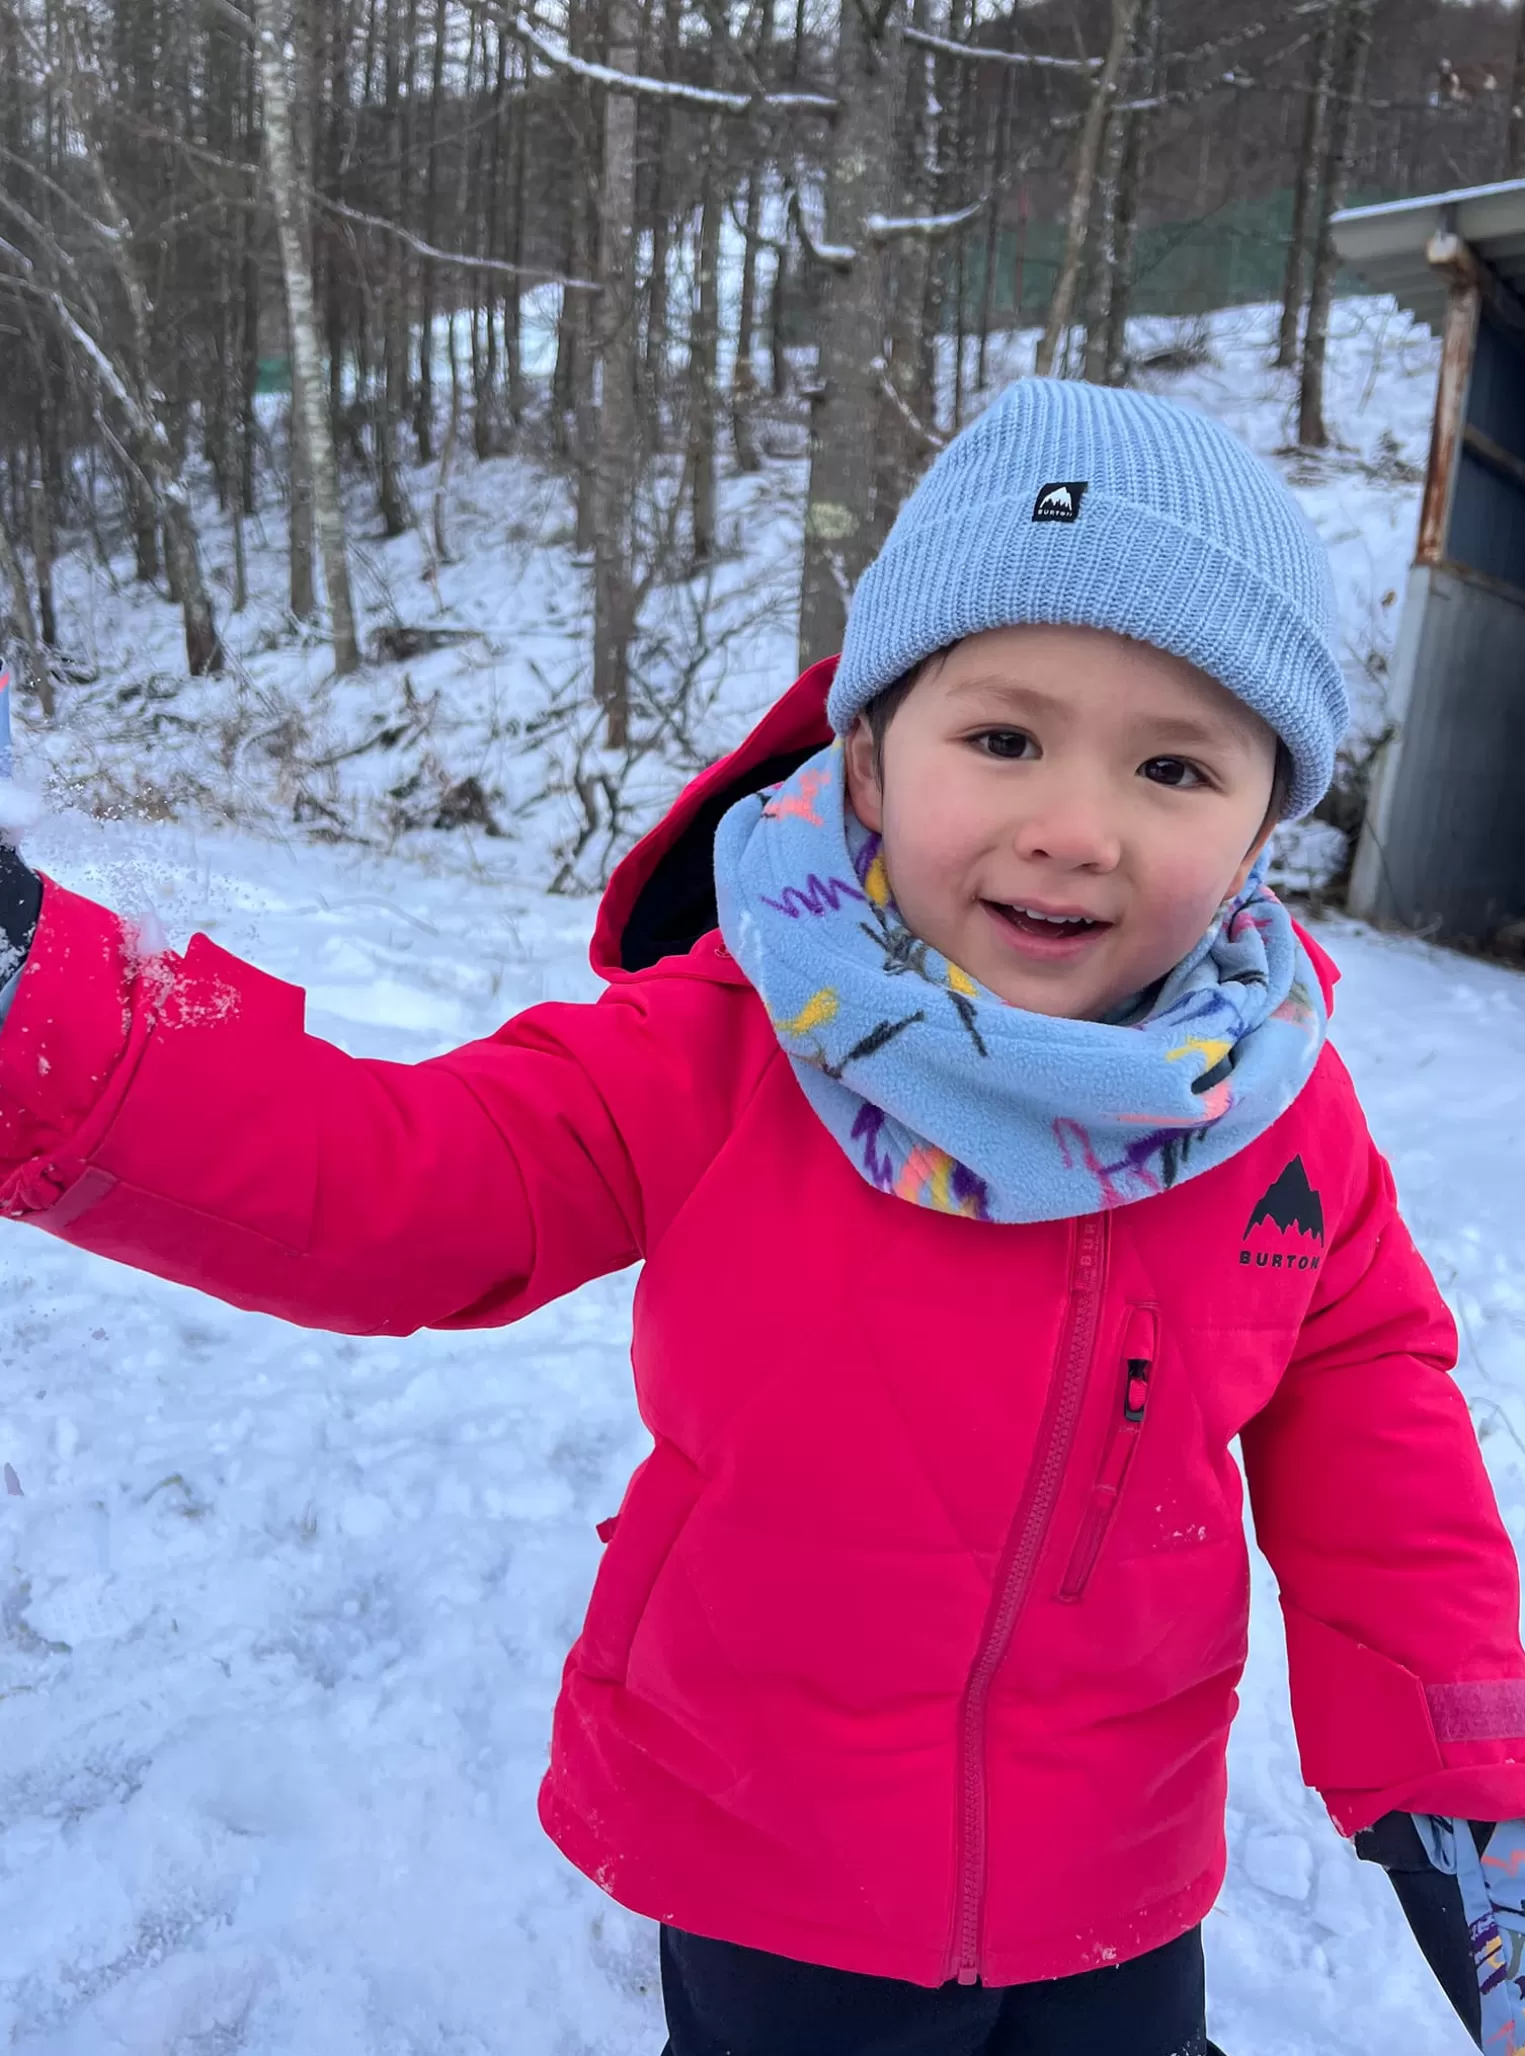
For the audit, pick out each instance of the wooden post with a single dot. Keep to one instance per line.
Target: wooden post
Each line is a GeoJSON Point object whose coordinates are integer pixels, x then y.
{"type": "Point", "coordinates": [1458, 345]}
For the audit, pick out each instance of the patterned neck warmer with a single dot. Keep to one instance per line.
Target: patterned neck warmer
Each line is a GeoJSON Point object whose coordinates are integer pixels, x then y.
{"type": "Point", "coordinates": [941, 1093]}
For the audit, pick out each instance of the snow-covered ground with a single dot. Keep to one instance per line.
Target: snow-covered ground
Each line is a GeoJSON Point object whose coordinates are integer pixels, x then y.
{"type": "Point", "coordinates": [282, 1616]}
{"type": "Point", "coordinates": [284, 1613]}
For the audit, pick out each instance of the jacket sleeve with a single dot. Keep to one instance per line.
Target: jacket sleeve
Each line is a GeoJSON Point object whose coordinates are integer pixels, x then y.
{"type": "Point", "coordinates": [172, 1113]}
{"type": "Point", "coordinates": [1399, 1584]}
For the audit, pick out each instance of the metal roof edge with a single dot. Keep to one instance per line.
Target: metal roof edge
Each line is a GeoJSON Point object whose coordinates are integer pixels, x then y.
{"type": "Point", "coordinates": [1454, 198]}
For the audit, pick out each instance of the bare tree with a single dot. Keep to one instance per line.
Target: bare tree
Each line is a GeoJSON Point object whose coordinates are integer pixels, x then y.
{"type": "Point", "coordinates": [122, 365]}
{"type": "Point", "coordinates": [1353, 29]}
{"type": "Point", "coordinates": [704, 355]}
{"type": "Point", "coordinates": [1092, 135]}
{"type": "Point", "coordinates": [33, 667]}
{"type": "Point", "coordinates": [1310, 166]}
{"type": "Point", "coordinates": [839, 510]}
{"type": "Point", "coordinates": [614, 462]}
{"type": "Point", "coordinates": [1129, 195]}
{"type": "Point", "coordinates": [307, 382]}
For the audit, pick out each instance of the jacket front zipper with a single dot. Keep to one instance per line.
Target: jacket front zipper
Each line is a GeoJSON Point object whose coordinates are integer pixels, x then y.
{"type": "Point", "coordinates": [1139, 1346]}
{"type": "Point", "coordinates": [1019, 1560]}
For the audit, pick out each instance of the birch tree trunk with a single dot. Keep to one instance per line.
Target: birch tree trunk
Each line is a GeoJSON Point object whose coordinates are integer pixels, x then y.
{"type": "Point", "coordinates": [778, 351]}
{"type": "Point", "coordinates": [666, 23]}
{"type": "Point", "coordinates": [42, 564]}
{"type": "Point", "coordinates": [489, 370]}
{"type": "Point", "coordinates": [1000, 149]}
{"type": "Point", "coordinates": [743, 373]}
{"type": "Point", "coordinates": [513, 317]}
{"type": "Point", "coordinates": [1353, 31]}
{"type": "Point", "coordinates": [614, 459]}
{"type": "Point", "coordinates": [1310, 165]}
{"type": "Point", "coordinates": [23, 622]}
{"type": "Point", "coordinates": [1124, 233]}
{"type": "Point", "coordinates": [394, 340]}
{"type": "Point", "coordinates": [1101, 245]}
{"type": "Point", "coordinates": [307, 384]}
{"type": "Point", "coordinates": [302, 588]}
{"type": "Point", "coordinates": [1103, 93]}
{"type": "Point", "coordinates": [704, 355]}
{"type": "Point", "coordinates": [911, 303]}
{"type": "Point", "coordinates": [145, 531]}
{"type": "Point", "coordinates": [423, 408]}
{"type": "Point", "coordinates": [844, 420]}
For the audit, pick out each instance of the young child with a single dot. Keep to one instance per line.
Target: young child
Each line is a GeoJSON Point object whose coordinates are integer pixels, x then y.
{"type": "Point", "coordinates": [992, 1171]}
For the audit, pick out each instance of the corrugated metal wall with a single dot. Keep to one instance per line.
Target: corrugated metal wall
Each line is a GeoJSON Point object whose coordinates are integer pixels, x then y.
{"type": "Point", "coordinates": [1454, 849]}
{"type": "Point", "coordinates": [1445, 849]}
{"type": "Point", "coordinates": [1488, 515]}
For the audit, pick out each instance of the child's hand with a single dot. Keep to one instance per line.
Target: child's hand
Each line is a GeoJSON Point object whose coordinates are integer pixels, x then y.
{"type": "Point", "coordinates": [1462, 1888]}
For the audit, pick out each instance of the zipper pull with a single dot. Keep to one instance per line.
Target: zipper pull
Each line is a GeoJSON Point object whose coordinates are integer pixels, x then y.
{"type": "Point", "coordinates": [1139, 1345]}
{"type": "Point", "coordinates": [1138, 1390]}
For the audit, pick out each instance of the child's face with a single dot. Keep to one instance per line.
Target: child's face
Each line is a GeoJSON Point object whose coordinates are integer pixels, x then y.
{"type": "Point", "coordinates": [1065, 771]}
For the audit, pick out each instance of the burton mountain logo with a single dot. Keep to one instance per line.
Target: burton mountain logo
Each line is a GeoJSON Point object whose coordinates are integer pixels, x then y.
{"type": "Point", "coordinates": [1061, 500]}
{"type": "Point", "coordinates": [1290, 1202]}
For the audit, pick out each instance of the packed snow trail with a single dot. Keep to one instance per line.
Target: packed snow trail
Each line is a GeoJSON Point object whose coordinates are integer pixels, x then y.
{"type": "Point", "coordinates": [283, 1614]}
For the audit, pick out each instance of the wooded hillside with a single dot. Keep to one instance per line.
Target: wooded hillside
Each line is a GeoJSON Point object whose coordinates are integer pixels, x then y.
{"type": "Point", "coordinates": [747, 222]}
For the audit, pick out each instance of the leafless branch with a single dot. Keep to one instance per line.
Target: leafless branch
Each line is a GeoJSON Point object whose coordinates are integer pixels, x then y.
{"type": "Point", "coordinates": [835, 256]}
{"type": "Point", "coordinates": [452, 257]}
{"type": "Point", "coordinates": [885, 228]}
{"type": "Point", "coordinates": [987, 53]}
{"type": "Point", "coordinates": [559, 58]}
{"type": "Point", "coordinates": [927, 437]}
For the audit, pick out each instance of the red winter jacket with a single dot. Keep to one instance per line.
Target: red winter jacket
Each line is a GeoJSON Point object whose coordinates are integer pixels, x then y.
{"type": "Point", "coordinates": [914, 1647]}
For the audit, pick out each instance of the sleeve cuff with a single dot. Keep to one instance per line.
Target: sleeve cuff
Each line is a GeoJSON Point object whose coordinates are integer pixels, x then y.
{"type": "Point", "coordinates": [69, 1025]}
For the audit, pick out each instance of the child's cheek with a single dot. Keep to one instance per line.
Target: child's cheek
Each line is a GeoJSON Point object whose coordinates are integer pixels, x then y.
{"type": "Point", "coordinates": [1181, 895]}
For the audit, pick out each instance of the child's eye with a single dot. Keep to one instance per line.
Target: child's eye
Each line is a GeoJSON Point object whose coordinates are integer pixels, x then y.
{"type": "Point", "coordinates": [1175, 772]}
{"type": "Point", "coordinates": [1008, 744]}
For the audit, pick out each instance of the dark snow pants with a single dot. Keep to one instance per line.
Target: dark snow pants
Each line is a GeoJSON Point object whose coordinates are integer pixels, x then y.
{"type": "Point", "coordinates": [723, 2000]}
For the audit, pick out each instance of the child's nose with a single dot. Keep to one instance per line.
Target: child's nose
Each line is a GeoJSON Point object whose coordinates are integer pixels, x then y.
{"type": "Point", "coordinates": [1074, 827]}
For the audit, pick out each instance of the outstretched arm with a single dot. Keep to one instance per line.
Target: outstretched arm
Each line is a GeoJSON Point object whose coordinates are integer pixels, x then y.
{"type": "Point", "coordinates": [173, 1113]}
{"type": "Point", "coordinates": [1398, 1582]}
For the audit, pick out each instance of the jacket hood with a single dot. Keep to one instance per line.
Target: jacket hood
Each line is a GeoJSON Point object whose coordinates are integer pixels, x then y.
{"type": "Point", "coordinates": [661, 899]}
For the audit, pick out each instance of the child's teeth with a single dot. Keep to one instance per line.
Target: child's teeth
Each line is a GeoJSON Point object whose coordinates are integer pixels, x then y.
{"type": "Point", "coordinates": [1057, 920]}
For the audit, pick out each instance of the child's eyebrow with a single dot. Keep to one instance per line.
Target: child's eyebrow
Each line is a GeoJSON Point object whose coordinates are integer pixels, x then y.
{"type": "Point", "coordinates": [1183, 728]}
{"type": "Point", "coordinates": [1006, 688]}
{"type": "Point", "coordinates": [1187, 729]}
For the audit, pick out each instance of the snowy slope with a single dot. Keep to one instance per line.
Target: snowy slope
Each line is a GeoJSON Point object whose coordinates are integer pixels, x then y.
{"type": "Point", "coordinates": [284, 1613]}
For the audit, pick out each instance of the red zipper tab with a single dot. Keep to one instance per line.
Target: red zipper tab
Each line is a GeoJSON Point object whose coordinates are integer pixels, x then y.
{"type": "Point", "coordinates": [1019, 1561]}
{"type": "Point", "coordinates": [1140, 1342]}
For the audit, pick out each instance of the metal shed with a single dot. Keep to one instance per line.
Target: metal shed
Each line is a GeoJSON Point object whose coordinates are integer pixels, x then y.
{"type": "Point", "coordinates": [1443, 847]}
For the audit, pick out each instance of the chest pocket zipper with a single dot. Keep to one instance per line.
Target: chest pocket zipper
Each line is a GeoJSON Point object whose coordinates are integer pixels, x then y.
{"type": "Point", "coordinates": [1140, 1345]}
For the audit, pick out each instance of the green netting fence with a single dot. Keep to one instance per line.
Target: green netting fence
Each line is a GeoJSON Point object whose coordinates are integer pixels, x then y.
{"type": "Point", "coordinates": [1223, 259]}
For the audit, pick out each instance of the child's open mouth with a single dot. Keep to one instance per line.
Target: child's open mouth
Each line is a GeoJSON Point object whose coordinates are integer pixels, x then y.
{"type": "Point", "coordinates": [1037, 932]}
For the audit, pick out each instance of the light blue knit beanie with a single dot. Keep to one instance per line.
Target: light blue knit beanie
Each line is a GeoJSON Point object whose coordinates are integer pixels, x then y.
{"type": "Point", "coordinates": [1099, 508]}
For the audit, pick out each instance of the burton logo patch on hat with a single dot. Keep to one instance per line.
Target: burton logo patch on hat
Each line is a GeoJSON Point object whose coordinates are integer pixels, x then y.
{"type": "Point", "coordinates": [1061, 500]}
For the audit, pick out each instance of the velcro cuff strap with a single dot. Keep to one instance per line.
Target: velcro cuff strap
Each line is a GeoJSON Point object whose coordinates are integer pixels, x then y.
{"type": "Point", "coordinates": [1482, 1710]}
